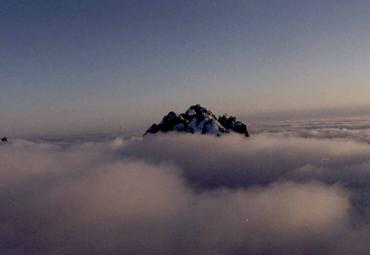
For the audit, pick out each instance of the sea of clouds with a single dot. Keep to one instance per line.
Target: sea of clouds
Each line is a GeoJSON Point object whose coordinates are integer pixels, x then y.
{"type": "Point", "coordinates": [287, 190]}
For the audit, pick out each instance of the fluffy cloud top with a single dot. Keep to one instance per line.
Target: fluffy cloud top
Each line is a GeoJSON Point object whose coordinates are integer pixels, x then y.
{"type": "Point", "coordinates": [174, 194]}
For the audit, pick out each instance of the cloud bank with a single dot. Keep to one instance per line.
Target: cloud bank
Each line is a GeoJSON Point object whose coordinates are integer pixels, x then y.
{"type": "Point", "coordinates": [186, 194]}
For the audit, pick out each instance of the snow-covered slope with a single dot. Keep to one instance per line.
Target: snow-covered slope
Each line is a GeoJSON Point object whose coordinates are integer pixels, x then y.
{"type": "Point", "coordinates": [198, 119]}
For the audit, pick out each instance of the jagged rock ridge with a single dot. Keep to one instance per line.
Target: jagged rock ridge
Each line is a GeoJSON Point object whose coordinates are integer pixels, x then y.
{"type": "Point", "coordinates": [198, 119]}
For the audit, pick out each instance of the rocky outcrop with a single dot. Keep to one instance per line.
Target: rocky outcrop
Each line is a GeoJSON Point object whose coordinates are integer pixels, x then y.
{"type": "Point", "coordinates": [198, 119]}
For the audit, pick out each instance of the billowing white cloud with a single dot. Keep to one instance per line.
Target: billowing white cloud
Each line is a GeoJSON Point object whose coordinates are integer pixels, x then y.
{"type": "Point", "coordinates": [185, 194]}
{"type": "Point", "coordinates": [234, 161]}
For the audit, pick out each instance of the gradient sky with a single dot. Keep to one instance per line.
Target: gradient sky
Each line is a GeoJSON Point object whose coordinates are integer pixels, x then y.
{"type": "Point", "coordinates": [68, 66]}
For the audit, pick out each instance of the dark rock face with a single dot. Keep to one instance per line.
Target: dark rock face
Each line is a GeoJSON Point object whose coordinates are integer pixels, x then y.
{"type": "Point", "coordinates": [4, 139]}
{"type": "Point", "coordinates": [198, 119]}
{"type": "Point", "coordinates": [233, 124]}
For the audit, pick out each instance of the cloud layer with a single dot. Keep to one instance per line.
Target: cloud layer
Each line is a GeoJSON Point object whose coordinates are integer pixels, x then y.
{"type": "Point", "coordinates": [186, 194]}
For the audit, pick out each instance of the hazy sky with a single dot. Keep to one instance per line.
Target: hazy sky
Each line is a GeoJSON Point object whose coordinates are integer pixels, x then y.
{"type": "Point", "coordinates": [97, 65]}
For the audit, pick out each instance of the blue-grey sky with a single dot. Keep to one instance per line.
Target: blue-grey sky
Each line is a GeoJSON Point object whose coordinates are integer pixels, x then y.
{"type": "Point", "coordinates": [74, 65]}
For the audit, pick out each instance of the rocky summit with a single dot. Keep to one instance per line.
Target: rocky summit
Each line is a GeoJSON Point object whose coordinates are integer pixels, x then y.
{"type": "Point", "coordinates": [198, 119]}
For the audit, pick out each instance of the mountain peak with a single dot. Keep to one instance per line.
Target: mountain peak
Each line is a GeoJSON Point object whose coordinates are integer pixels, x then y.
{"type": "Point", "coordinates": [198, 119]}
